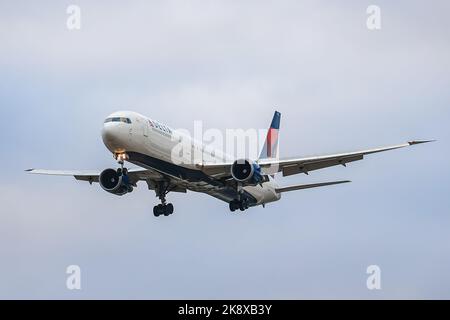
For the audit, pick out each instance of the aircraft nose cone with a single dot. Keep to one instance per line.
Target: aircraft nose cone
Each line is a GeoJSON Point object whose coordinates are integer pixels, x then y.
{"type": "Point", "coordinates": [113, 137]}
{"type": "Point", "coordinates": [108, 134]}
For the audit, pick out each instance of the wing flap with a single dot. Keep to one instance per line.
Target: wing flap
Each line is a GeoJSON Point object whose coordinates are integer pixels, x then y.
{"type": "Point", "coordinates": [316, 165]}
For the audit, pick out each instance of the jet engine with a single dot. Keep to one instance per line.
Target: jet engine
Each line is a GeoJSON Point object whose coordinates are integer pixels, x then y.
{"type": "Point", "coordinates": [115, 182]}
{"type": "Point", "coordinates": [246, 171]}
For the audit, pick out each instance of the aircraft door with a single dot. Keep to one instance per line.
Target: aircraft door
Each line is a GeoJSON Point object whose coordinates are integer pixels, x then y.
{"type": "Point", "coordinates": [145, 128]}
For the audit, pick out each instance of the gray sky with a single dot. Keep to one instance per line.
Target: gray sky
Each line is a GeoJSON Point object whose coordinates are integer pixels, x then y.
{"type": "Point", "coordinates": [339, 86]}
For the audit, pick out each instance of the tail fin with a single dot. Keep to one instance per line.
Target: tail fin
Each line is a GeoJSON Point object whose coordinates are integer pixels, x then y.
{"type": "Point", "coordinates": [270, 149]}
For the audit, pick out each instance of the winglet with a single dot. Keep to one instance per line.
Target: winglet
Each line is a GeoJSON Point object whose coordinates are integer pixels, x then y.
{"type": "Point", "coordinates": [419, 142]}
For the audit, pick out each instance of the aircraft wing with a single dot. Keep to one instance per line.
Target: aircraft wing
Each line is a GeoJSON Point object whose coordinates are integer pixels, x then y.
{"type": "Point", "coordinates": [135, 174]}
{"type": "Point", "coordinates": [293, 166]}
{"type": "Point", "coordinates": [309, 186]}
{"type": "Point", "coordinates": [304, 165]}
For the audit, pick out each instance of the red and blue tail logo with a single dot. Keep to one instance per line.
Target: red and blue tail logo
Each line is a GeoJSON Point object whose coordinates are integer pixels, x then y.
{"type": "Point", "coordinates": [270, 149]}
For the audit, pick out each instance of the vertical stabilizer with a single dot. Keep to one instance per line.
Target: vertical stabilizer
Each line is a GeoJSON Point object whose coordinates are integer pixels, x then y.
{"type": "Point", "coordinates": [270, 148]}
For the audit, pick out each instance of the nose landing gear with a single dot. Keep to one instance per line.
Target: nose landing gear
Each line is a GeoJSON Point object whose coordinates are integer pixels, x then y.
{"type": "Point", "coordinates": [121, 157]}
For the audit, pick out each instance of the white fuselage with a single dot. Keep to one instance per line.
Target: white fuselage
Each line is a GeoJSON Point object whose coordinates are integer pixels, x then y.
{"type": "Point", "coordinates": [129, 132]}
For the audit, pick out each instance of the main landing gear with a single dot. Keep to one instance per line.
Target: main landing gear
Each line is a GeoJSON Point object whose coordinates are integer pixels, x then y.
{"type": "Point", "coordinates": [166, 209]}
{"type": "Point", "coordinates": [242, 202]}
{"type": "Point", "coordinates": [239, 204]}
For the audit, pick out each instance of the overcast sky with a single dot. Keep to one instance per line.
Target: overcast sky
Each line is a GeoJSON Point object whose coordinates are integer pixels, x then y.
{"type": "Point", "coordinates": [339, 86]}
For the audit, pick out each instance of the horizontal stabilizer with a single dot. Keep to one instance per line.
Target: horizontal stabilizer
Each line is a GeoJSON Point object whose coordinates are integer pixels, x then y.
{"type": "Point", "coordinates": [307, 186]}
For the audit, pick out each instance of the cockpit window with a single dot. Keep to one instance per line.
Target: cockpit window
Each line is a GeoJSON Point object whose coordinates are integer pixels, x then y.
{"type": "Point", "coordinates": [118, 119]}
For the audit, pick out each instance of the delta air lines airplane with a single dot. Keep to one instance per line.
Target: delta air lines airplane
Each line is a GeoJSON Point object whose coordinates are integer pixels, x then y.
{"type": "Point", "coordinates": [242, 183]}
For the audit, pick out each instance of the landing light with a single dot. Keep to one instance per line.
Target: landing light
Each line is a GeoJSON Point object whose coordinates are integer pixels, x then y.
{"type": "Point", "coordinates": [121, 156]}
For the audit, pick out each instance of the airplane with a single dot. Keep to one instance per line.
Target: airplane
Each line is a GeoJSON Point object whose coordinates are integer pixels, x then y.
{"type": "Point", "coordinates": [242, 183]}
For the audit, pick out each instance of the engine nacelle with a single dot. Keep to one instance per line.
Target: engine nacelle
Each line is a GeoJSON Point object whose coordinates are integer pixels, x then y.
{"type": "Point", "coordinates": [110, 180]}
{"type": "Point", "coordinates": [247, 171]}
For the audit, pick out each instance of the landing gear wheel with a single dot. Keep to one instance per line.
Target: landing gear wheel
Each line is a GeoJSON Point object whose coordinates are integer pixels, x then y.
{"type": "Point", "coordinates": [238, 205]}
{"type": "Point", "coordinates": [169, 208]}
{"type": "Point", "coordinates": [158, 210]}
{"type": "Point", "coordinates": [122, 171]}
{"type": "Point", "coordinates": [166, 211]}
{"type": "Point", "coordinates": [161, 209]}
